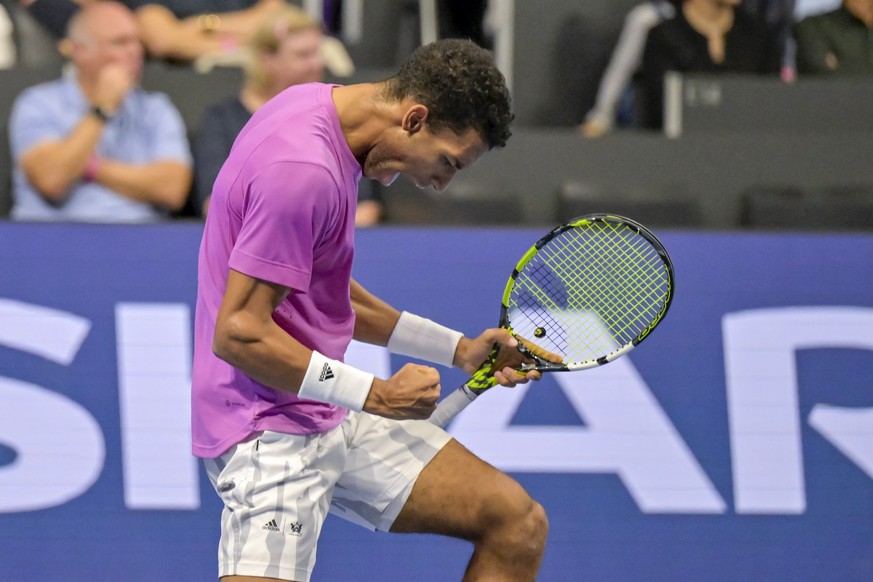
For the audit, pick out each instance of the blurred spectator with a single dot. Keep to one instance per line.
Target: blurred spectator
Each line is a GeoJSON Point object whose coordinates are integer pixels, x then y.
{"type": "Point", "coordinates": [205, 32]}
{"type": "Point", "coordinates": [623, 64]}
{"type": "Point", "coordinates": [705, 36]}
{"type": "Point", "coordinates": [839, 42]}
{"type": "Point", "coordinates": [173, 29]}
{"type": "Point", "coordinates": [184, 30]}
{"type": "Point", "coordinates": [92, 146]}
{"type": "Point", "coordinates": [284, 51]}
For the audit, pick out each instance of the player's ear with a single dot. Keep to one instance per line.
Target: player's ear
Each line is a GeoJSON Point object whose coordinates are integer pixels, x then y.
{"type": "Point", "coordinates": [415, 118]}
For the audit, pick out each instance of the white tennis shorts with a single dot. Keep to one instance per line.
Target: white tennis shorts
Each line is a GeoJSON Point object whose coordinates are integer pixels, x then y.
{"type": "Point", "coordinates": [278, 488]}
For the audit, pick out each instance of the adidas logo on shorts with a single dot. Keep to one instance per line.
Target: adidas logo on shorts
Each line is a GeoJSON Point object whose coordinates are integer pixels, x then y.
{"type": "Point", "coordinates": [326, 373]}
{"type": "Point", "coordinates": [271, 525]}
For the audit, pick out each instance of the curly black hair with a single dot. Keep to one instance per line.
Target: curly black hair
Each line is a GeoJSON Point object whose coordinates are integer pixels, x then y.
{"type": "Point", "coordinates": [460, 85]}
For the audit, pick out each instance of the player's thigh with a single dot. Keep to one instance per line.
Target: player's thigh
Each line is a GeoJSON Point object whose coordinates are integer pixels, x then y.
{"type": "Point", "coordinates": [462, 496]}
{"type": "Point", "coordinates": [383, 462]}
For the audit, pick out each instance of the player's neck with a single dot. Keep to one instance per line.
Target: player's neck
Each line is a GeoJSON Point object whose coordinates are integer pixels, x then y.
{"type": "Point", "coordinates": [364, 115]}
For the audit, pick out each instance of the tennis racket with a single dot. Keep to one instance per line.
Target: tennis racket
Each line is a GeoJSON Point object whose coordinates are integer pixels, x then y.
{"type": "Point", "coordinates": [590, 291]}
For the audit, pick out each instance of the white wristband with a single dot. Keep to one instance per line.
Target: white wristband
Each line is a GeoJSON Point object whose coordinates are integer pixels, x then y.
{"type": "Point", "coordinates": [334, 382]}
{"type": "Point", "coordinates": [424, 339]}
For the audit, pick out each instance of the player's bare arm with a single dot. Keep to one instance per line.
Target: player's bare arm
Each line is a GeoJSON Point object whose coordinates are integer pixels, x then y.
{"type": "Point", "coordinates": [247, 338]}
{"type": "Point", "coordinates": [375, 320]}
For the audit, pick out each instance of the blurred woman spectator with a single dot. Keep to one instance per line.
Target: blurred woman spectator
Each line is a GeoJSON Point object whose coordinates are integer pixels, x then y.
{"type": "Point", "coordinates": [706, 36]}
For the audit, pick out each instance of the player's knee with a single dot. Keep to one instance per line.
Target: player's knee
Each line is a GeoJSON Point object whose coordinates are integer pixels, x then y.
{"type": "Point", "coordinates": [525, 535]}
{"type": "Point", "coordinates": [517, 522]}
{"type": "Point", "coordinates": [539, 522]}
{"type": "Point", "coordinates": [536, 527]}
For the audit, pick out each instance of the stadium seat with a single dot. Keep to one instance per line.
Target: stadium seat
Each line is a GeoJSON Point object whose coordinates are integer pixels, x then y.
{"type": "Point", "coordinates": [463, 204]}
{"type": "Point", "coordinates": [834, 207]}
{"type": "Point", "coordinates": [650, 208]}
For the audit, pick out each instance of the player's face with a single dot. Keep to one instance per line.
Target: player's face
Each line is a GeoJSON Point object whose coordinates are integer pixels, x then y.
{"type": "Point", "coordinates": [427, 157]}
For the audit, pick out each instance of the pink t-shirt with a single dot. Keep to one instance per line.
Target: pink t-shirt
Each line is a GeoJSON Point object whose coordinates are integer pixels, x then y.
{"type": "Point", "coordinates": [282, 210]}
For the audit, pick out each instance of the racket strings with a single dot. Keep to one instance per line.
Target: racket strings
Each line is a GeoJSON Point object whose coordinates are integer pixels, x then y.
{"type": "Point", "coordinates": [590, 290]}
{"type": "Point", "coordinates": [636, 266]}
{"type": "Point", "coordinates": [627, 293]}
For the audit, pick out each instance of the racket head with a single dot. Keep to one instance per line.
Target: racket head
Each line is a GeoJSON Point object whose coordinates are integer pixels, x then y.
{"type": "Point", "coordinates": [590, 290]}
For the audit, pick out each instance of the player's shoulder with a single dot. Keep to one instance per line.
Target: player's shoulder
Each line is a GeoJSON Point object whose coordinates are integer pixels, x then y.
{"type": "Point", "coordinates": [294, 128]}
{"type": "Point", "coordinates": [299, 98]}
{"type": "Point", "coordinates": [298, 121]}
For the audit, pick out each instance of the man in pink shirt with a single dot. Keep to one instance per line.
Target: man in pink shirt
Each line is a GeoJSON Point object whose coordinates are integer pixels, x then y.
{"type": "Point", "coordinates": [287, 430]}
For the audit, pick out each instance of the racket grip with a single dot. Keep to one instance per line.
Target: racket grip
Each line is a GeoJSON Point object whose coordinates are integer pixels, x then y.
{"type": "Point", "coordinates": [451, 405]}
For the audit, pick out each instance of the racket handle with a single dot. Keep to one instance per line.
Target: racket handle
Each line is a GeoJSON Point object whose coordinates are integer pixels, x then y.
{"type": "Point", "coordinates": [451, 405]}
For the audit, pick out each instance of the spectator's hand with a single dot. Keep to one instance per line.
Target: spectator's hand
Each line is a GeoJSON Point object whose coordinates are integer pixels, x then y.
{"type": "Point", "coordinates": [113, 84]}
{"type": "Point", "coordinates": [593, 128]}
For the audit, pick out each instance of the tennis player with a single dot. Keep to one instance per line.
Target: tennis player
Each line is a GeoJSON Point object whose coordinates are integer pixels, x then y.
{"type": "Point", "coordinates": [287, 430]}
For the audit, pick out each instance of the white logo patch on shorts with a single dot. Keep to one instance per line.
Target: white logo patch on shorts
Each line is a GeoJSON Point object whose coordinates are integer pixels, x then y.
{"type": "Point", "coordinates": [294, 528]}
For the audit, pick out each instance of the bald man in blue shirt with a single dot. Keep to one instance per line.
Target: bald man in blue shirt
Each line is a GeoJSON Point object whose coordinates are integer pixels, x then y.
{"type": "Point", "coordinates": [93, 146]}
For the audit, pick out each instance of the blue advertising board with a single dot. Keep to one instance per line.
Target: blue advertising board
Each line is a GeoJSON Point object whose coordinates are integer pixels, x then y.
{"type": "Point", "coordinates": [734, 444]}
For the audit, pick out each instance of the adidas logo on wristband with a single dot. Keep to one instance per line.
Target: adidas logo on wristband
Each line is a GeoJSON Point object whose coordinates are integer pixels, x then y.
{"type": "Point", "coordinates": [336, 383]}
{"type": "Point", "coordinates": [326, 373]}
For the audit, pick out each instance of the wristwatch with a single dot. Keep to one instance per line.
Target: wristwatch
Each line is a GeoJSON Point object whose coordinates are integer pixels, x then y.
{"type": "Point", "coordinates": [100, 113]}
{"type": "Point", "coordinates": [209, 23]}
